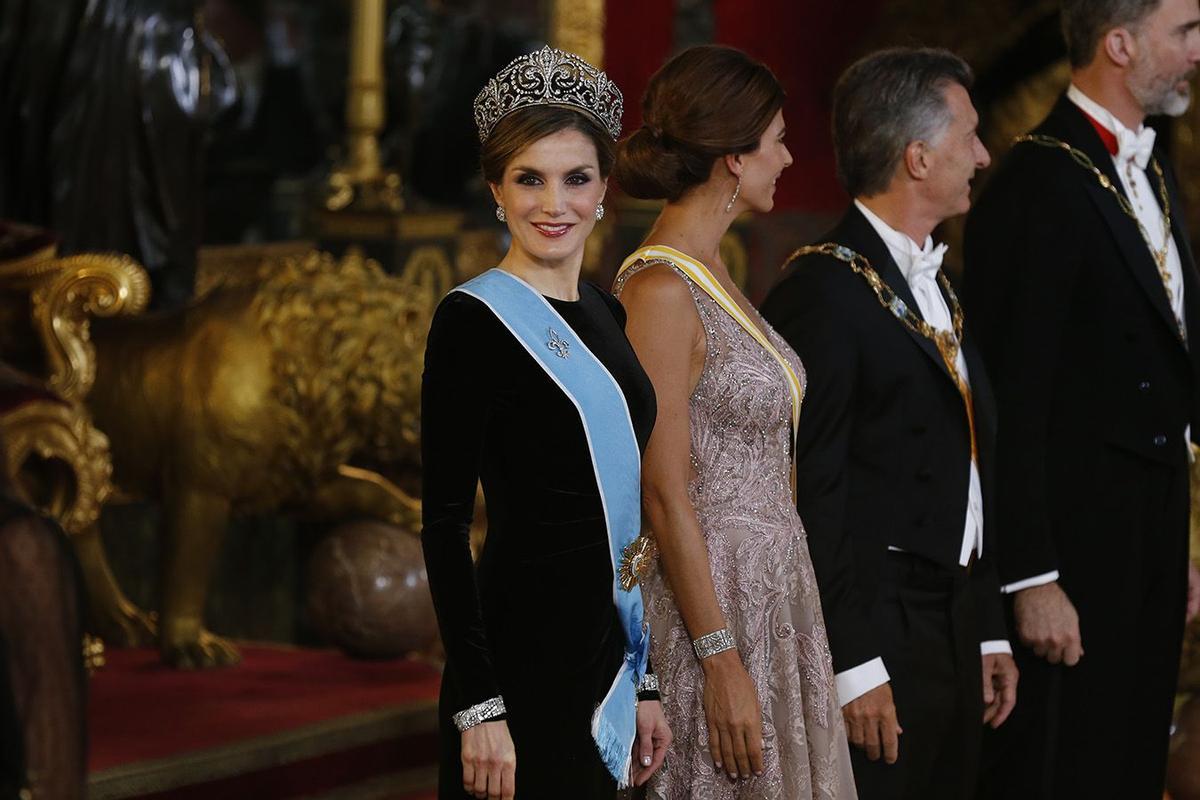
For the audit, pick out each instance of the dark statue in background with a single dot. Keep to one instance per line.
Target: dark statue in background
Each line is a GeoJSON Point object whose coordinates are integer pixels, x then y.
{"type": "Point", "coordinates": [103, 111]}
{"type": "Point", "coordinates": [150, 127]}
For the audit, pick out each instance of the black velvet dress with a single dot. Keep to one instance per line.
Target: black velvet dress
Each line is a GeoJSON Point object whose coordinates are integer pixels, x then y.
{"type": "Point", "coordinates": [534, 621]}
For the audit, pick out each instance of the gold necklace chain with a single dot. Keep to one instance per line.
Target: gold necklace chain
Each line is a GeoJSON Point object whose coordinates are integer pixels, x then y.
{"type": "Point", "coordinates": [1158, 253]}
{"type": "Point", "coordinates": [948, 343]}
{"type": "Point", "coordinates": [892, 302]}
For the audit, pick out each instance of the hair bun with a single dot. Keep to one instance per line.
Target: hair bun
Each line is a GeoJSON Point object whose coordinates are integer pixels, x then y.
{"type": "Point", "coordinates": [647, 169]}
{"type": "Point", "coordinates": [704, 103]}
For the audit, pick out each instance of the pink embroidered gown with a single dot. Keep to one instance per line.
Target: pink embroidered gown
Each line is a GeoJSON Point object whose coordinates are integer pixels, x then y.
{"type": "Point", "coordinates": [741, 423]}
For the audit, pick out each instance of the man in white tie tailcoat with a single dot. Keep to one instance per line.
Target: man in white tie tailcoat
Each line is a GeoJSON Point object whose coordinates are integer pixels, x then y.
{"type": "Point", "coordinates": [1082, 291]}
{"type": "Point", "coordinates": [895, 442]}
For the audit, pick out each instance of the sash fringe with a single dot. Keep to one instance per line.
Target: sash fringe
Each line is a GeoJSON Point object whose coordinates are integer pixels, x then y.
{"type": "Point", "coordinates": [616, 751]}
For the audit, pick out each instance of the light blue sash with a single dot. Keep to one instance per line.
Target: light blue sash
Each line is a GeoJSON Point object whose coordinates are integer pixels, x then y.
{"type": "Point", "coordinates": [616, 460]}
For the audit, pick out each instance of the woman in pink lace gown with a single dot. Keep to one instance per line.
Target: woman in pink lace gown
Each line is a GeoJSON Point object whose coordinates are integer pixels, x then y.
{"type": "Point", "coordinates": [739, 642]}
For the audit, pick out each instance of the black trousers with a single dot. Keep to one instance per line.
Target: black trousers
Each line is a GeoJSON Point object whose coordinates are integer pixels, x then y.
{"type": "Point", "coordinates": [926, 614]}
{"type": "Point", "coordinates": [1099, 730]}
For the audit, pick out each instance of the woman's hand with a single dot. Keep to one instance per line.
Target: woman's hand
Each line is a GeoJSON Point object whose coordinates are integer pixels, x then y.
{"type": "Point", "coordinates": [653, 739]}
{"type": "Point", "coordinates": [733, 715]}
{"type": "Point", "coordinates": [489, 761]}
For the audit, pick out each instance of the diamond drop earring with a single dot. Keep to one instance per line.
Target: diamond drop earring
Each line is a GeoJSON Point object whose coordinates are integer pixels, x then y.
{"type": "Point", "coordinates": [500, 215]}
{"type": "Point", "coordinates": [736, 192]}
{"type": "Point", "coordinates": [599, 211]}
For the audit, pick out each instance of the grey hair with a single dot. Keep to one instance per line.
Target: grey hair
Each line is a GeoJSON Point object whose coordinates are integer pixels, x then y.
{"type": "Point", "coordinates": [883, 102]}
{"type": "Point", "coordinates": [1084, 23]}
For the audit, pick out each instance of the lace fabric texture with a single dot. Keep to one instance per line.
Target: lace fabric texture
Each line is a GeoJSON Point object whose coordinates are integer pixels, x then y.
{"type": "Point", "coordinates": [740, 416]}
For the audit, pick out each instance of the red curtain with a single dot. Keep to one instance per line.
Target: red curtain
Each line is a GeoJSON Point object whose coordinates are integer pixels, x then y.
{"type": "Point", "coordinates": [637, 40]}
{"type": "Point", "coordinates": [806, 42]}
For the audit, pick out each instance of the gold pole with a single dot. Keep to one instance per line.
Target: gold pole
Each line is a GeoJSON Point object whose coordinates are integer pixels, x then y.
{"type": "Point", "coordinates": [364, 101]}
{"type": "Point", "coordinates": [360, 178]}
{"type": "Point", "coordinates": [577, 26]}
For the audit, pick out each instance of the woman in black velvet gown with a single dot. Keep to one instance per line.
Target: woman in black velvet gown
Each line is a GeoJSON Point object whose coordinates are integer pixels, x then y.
{"type": "Point", "coordinates": [534, 621]}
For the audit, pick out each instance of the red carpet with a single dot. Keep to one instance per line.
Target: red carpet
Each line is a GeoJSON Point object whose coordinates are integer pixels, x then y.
{"type": "Point", "coordinates": [284, 723]}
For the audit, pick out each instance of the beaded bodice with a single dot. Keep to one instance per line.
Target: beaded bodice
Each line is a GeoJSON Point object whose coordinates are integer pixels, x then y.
{"type": "Point", "coordinates": [741, 424]}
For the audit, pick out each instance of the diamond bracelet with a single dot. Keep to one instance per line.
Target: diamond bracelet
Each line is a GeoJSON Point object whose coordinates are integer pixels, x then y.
{"type": "Point", "coordinates": [480, 712]}
{"type": "Point", "coordinates": [712, 643]}
{"type": "Point", "coordinates": [649, 683]}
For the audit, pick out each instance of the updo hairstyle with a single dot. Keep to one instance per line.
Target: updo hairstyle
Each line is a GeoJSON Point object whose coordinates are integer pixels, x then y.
{"type": "Point", "coordinates": [523, 127]}
{"type": "Point", "coordinates": [707, 102]}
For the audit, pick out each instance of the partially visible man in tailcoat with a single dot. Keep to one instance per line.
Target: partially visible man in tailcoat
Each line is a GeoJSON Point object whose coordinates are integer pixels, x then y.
{"type": "Point", "coordinates": [1082, 289]}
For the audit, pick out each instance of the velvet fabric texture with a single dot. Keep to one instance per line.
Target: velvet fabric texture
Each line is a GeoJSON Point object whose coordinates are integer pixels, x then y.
{"type": "Point", "coordinates": [541, 593]}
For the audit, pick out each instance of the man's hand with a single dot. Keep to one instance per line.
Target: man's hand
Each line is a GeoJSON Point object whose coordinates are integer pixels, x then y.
{"type": "Point", "coordinates": [871, 724]}
{"type": "Point", "coordinates": [1193, 597]}
{"type": "Point", "coordinates": [999, 688]}
{"type": "Point", "coordinates": [1049, 624]}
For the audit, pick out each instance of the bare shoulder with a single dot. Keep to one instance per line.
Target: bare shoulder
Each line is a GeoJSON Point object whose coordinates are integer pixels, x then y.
{"type": "Point", "coordinates": [659, 289]}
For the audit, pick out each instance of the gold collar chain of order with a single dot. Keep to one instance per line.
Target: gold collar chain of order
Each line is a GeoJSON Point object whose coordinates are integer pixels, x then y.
{"type": "Point", "coordinates": [1158, 253]}
{"type": "Point", "coordinates": [948, 343]}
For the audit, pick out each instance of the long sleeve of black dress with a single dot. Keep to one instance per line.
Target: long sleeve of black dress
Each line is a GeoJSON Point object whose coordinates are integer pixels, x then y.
{"type": "Point", "coordinates": [456, 406]}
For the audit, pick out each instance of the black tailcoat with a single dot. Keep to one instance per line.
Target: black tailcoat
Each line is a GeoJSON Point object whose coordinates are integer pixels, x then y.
{"type": "Point", "coordinates": [1095, 387]}
{"type": "Point", "coordinates": [883, 459]}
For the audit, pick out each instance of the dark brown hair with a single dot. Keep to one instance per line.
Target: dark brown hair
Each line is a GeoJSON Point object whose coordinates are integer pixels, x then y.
{"type": "Point", "coordinates": [706, 102]}
{"type": "Point", "coordinates": [525, 126]}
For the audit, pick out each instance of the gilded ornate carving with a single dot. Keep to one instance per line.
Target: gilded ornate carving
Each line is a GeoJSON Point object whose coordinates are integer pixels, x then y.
{"type": "Point", "coordinates": [93, 653]}
{"type": "Point", "coordinates": [58, 431]}
{"type": "Point", "coordinates": [428, 271]}
{"type": "Point", "coordinates": [261, 395]}
{"type": "Point", "coordinates": [78, 288]}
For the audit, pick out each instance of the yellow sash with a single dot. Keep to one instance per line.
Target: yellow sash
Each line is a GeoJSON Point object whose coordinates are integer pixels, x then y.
{"type": "Point", "coordinates": [704, 279]}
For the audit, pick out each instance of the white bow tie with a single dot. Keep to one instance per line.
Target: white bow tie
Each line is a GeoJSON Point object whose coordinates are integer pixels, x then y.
{"type": "Point", "coordinates": [926, 263]}
{"type": "Point", "coordinates": [1135, 146]}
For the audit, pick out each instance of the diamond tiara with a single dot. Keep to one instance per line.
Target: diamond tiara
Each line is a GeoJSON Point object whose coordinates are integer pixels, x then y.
{"type": "Point", "coordinates": [549, 77]}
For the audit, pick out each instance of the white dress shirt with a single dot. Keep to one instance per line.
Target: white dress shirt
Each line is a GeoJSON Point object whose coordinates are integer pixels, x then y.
{"type": "Point", "coordinates": [919, 266]}
{"type": "Point", "coordinates": [1131, 159]}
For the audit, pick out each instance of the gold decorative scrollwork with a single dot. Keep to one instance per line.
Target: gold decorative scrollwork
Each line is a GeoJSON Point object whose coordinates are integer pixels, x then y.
{"type": "Point", "coordinates": [56, 431]}
{"type": "Point", "coordinates": [429, 273]}
{"type": "Point", "coordinates": [84, 286]}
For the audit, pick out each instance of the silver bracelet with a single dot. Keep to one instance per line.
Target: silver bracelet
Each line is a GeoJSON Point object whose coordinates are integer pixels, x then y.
{"type": "Point", "coordinates": [712, 643]}
{"type": "Point", "coordinates": [480, 712]}
{"type": "Point", "coordinates": [649, 683]}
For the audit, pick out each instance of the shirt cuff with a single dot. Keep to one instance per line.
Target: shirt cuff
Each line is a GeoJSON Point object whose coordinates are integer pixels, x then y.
{"type": "Point", "coordinates": [1029, 583]}
{"type": "Point", "coordinates": [857, 681]}
{"type": "Point", "coordinates": [995, 646]}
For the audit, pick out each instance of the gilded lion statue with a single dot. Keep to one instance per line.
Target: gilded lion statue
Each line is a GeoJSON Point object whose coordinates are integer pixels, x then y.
{"type": "Point", "coordinates": [261, 394]}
